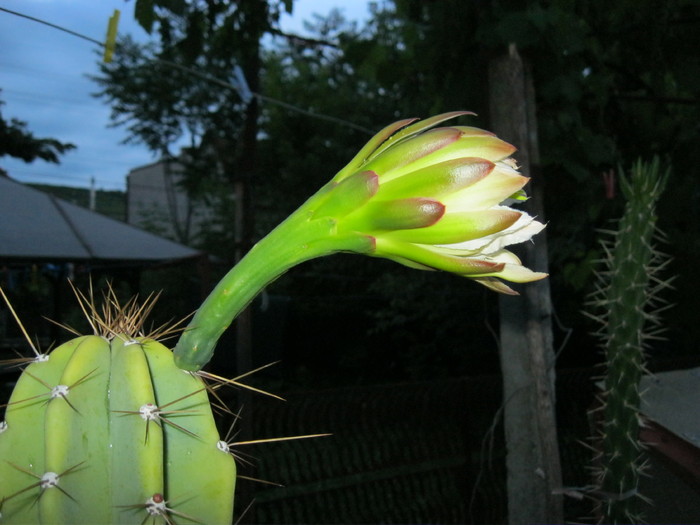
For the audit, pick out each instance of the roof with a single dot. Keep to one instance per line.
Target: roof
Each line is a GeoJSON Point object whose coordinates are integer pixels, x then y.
{"type": "Point", "coordinates": [37, 226]}
{"type": "Point", "coordinates": [671, 399]}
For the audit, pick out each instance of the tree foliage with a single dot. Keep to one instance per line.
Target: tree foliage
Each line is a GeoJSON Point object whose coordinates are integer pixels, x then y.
{"type": "Point", "coordinates": [186, 85]}
{"type": "Point", "coordinates": [17, 141]}
{"type": "Point", "coordinates": [613, 82]}
{"type": "Point", "coordinates": [187, 89]}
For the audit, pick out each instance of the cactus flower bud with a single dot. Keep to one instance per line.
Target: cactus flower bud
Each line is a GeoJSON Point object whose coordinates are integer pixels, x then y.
{"type": "Point", "coordinates": [437, 201]}
{"type": "Point", "coordinates": [427, 197]}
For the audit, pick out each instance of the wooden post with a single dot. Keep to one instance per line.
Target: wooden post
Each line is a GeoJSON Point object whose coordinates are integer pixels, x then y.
{"type": "Point", "coordinates": [252, 32]}
{"type": "Point", "coordinates": [527, 355]}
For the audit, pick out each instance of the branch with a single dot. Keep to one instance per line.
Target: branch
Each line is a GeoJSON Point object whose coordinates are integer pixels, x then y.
{"type": "Point", "coordinates": [303, 40]}
{"type": "Point", "coordinates": [665, 100]}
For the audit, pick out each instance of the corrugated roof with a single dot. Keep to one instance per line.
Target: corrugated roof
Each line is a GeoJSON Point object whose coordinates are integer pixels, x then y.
{"type": "Point", "coordinates": [38, 226]}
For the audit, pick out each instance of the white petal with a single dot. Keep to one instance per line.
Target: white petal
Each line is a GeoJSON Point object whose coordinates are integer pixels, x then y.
{"type": "Point", "coordinates": [490, 191]}
{"type": "Point", "coordinates": [504, 256]}
{"type": "Point", "coordinates": [516, 273]}
{"type": "Point", "coordinates": [520, 231]}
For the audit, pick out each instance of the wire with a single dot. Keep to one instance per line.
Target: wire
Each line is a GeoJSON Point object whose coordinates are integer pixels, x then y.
{"type": "Point", "coordinates": [54, 26]}
{"type": "Point", "coordinates": [264, 98]}
{"type": "Point", "coordinates": [19, 173]}
{"type": "Point", "coordinates": [204, 76]}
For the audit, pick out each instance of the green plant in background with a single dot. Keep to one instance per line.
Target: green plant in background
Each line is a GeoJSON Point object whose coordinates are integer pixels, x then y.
{"type": "Point", "coordinates": [626, 304]}
{"type": "Point", "coordinates": [115, 428]}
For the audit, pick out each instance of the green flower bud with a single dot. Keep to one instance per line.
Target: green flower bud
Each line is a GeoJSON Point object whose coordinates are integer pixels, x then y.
{"type": "Point", "coordinates": [425, 197]}
{"type": "Point", "coordinates": [439, 201]}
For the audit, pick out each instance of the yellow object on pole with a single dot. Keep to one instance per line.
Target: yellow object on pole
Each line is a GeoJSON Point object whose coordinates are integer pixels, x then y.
{"type": "Point", "coordinates": [111, 36]}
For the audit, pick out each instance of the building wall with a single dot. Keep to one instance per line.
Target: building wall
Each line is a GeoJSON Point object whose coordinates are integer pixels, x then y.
{"type": "Point", "coordinates": [156, 202]}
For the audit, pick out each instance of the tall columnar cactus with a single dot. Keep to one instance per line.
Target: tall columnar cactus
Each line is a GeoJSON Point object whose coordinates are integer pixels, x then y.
{"type": "Point", "coordinates": [106, 429]}
{"type": "Point", "coordinates": [624, 304]}
{"type": "Point", "coordinates": [115, 428]}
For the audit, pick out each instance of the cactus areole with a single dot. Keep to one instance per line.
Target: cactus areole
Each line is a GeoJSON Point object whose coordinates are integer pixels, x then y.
{"type": "Point", "coordinates": [108, 430]}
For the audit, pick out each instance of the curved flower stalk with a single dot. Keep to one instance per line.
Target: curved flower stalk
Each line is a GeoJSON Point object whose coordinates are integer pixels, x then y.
{"type": "Point", "coordinates": [426, 197]}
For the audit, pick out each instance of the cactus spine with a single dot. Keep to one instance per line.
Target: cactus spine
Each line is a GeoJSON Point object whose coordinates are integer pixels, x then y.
{"type": "Point", "coordinates": [627, 290]}
{"type": "Point", "coordinates": [106, 429]}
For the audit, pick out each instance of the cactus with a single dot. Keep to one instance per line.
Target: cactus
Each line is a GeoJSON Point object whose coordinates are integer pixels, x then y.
{"type": "Point", "coordinates": [106, 429]}
{"type": "Point", "coordinates": [113, 427]}
{"type": "Point", "coordinates": [625, 297]}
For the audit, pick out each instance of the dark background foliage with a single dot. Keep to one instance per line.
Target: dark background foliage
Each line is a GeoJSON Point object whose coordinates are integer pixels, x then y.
{"type": "Point", "coordinates": [614, 82]}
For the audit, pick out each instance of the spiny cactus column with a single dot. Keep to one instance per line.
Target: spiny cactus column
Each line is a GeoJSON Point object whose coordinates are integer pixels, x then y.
{"type": "Point", "coordinates": [627, 289]}
{"type": "Point", "coordinates": [106, 429]}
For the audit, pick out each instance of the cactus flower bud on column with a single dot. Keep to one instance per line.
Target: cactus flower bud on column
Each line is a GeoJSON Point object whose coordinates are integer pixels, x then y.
{"type": "Point", "coordinates": [426, 197]}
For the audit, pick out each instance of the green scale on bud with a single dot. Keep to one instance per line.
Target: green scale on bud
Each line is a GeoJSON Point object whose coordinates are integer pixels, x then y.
{"type": "Point", "coordinates": [106, 429]}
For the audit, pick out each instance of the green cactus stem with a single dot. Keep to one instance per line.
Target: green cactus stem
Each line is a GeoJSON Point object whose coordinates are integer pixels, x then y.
{"type": "Point", "coordinates": [298, 239]}
{"type": "Point", "coordinates": [627, 287]}
{"type": "Point", "coordinates": [106, 429]}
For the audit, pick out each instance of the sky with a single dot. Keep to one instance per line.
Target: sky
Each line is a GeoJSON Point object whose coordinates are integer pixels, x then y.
{"type": "Point", "coordinates": [44, 82]}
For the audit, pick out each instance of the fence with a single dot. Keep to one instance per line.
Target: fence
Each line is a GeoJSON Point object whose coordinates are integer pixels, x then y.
{"type": "Point", "coordinates": [407, 453]}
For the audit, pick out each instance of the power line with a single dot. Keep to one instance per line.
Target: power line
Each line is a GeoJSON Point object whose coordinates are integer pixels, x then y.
{"type": "Point", "coordinates": [20, 173]}
{"type": "Point", "coordinates": [24, 173]}
{"type": "Point", "coordinates": [206, 76]}
{"type": "Point", "coordinates": [34, 96]}
{"type": "Point", "coordinates": [54, 26]}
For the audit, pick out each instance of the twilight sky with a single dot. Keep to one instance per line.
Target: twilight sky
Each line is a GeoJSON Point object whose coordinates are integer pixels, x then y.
{"type": "Point", "coordinates": [43, 78]}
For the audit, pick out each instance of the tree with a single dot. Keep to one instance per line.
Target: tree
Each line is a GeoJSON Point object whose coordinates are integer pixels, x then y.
{"type": "Point", "coordinates": [185, 89]}
{"type": "Point", "coordinates": [17, 141]}
{"type": "Point", "coordinates": [595, 110]}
